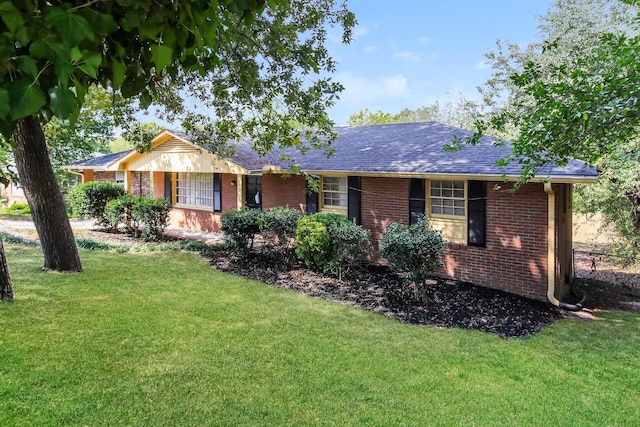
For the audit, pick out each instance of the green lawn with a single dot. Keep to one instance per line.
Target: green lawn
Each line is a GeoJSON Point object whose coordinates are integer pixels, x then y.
{"type": "Point", "coordinates": [162, 339]}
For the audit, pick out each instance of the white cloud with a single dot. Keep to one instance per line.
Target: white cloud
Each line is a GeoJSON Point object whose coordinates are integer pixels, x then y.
{"type": "Point", "coordinates": [425, 41]}
{"type": "Point", "coordinates": [360, 30]}
{"type": "Point", "coordinates": [414, 57]}
{"type": "Point", "coordinates": [407, 56]}
{"type": "Point", "coordinates": [362, 89]}
{"type": "Point", "coordinates": [370, 49]}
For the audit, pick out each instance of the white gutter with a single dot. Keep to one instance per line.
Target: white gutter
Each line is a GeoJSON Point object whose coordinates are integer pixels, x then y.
{"type": "Point", "coordinates": [551, 248]}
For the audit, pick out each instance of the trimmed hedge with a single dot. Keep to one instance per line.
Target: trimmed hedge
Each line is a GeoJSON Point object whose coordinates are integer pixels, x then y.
{"type": "Point", "coordinates": [240, 228]}
{"type": "Point", "coordinates": [330, 242]}
{"type": "Point", "coordinates": [415, 249]}
{"type": "Point", "coordinates": [89, 200]}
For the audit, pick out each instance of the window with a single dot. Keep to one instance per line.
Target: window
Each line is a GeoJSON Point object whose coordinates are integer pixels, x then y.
{"type": "Point", "coordinates": [447, 198]}
{"type": "Point", "coordinates": [120, 178]}
{"type": "Point", "coordinates": [334, 192]}
{"type": "Point", "coordinates": [199, 189]}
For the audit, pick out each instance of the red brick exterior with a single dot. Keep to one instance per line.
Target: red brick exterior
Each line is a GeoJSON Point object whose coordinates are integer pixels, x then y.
{"type": "Point", "coordinates": [102, 176]}
{"type": "Point", "coordinates": [383, 201]}
{"type": "Point", "coordinates": [87, 175]}
{"type": "Point", "coordinates": [140, 184]}
{"type": "Point", "coordinates": [279, 191]}
{"type": "Point", "coordinates": [158, 184]}
{"type": "Point", "coordinates": [229, 192]}
{"type": "Point", "coordinates": [515, 256]}
{"type": "Point", "coordinates": [195, 219]}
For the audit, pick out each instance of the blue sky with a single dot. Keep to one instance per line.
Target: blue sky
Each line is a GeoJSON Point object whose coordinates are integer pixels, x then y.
{"type": "Point", "coordinates": [410, 53]}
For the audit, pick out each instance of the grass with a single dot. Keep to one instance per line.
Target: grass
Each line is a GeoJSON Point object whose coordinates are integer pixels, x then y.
{"type": "Point", "coordinates": [162, 339]}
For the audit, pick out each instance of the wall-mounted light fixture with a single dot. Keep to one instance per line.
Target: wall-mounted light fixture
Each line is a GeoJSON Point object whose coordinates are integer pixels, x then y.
{"type": "Point", "coordinates": [233, 183]}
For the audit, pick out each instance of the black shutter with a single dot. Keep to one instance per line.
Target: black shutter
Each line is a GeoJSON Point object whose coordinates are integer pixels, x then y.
{"type": "Point", "coordinates": [477, 226]}
{"type": "Point", "coordinates": [417, 202]}
{"type": "Point", "coordinates": [312, 201]}
{"type": "Point", "coordinates": [353, 198]}
{"type": "Point", "coordinates": [217, 192]}
{"type": "Point", "coordinates": [168, 193]}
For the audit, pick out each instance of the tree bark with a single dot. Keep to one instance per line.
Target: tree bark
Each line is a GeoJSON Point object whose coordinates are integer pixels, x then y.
{"type": "Point", "coordinates": [45, 199]}
{"type": "Point", "coordinates": [6, 290]}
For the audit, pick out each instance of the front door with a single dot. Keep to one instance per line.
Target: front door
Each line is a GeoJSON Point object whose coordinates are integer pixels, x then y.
{"type": "Point", "coordinates": [253, 194]}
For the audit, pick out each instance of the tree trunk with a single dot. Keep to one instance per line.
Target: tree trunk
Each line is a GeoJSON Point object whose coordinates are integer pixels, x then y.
{"type": "Point", "coordinates": [6, 291]}
{"type": "Point", "coordinates": [44, 197]}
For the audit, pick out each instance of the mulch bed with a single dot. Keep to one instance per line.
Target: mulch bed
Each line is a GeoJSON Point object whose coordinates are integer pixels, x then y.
{"type": "Point", "coordinates": [451, 304]}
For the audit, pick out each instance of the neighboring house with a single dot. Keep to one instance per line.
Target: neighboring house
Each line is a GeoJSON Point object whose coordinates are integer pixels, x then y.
{"type": "Point", "coordinates": [12, 193]}
{"type": "Point", "coordinates": [515, 241]}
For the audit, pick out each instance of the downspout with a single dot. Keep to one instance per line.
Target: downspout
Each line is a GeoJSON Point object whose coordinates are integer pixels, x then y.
{"type": "Point", "coordinates": [80, 174]}
{"type": "Point", "coordinates": [551, 253]}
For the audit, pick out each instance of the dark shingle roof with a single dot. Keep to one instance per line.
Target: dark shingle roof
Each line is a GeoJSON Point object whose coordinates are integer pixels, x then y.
{"type": "Point", "coordinates": [244, 156]}
{"type": "Point", "coordinates": [407, 148]}
{"type": "Point", "coordinates": [100, 161]}
{"type": "Point", "coordinates": [418, 148]}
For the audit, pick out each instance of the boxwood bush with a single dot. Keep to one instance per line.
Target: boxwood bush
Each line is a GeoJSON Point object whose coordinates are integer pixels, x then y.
{"type": "Point", "coordinates": [278, 228]}
{"type": "Point", "coordinates": [415, 249]}
{"type": "Point", "coordinates": [89, 200]}
{"type": "Point", "coordinates": [330, 242]}
{"type": "Point", "coordinates": [240, 228]}
{"type": "Point", "coordinates": [141, 216]}
{"type": "Point", "coordinates": [153, 215]}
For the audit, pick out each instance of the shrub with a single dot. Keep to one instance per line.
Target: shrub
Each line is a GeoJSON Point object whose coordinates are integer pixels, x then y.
{"type": "Point", "coordinates": [240, 228]}
{"type": "Point", "coordinates": [89, 200]}
{"type": "Point", "coordinates": [153, 214]}
{"type": "Point", "coordinates": [119, 211]}
{"type": "Point", "coordinates": [18, 209]}
{"type": "Point", "coordinates": [278, 227]}
{"type": "Point", "coordinates": [415, 249]}
{"type": "Point", "coordinates": [330, 242]}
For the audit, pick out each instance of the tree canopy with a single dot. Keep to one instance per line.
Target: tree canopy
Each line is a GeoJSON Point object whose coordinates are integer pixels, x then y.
{"type": "Point", "coordinates": [573, 94]}
{"type": "Point", "coordinates": [260, 67]}
{"type": "Point", "coordinates": [246, 66]}
{"type": "Point", "coordinates": [462, 113]}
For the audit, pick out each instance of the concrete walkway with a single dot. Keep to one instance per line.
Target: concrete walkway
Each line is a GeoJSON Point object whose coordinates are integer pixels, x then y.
{"type": "Point", "coordinates": [10, 225]}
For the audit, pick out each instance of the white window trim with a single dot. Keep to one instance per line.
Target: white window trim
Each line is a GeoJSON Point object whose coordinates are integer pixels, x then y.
{"type": "Point", "coordinates": [451, 225]}
{"type": "Point", "coordinates": [334, 208]}
{"type": "Point", "coordinates": [207, 207]}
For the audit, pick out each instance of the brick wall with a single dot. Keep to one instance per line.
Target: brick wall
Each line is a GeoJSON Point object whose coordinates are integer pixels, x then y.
{"type": "Point", "coordinates": [195, 219]}
{"type": "Point", "coordinates": [383, 200]}
{"type": "Point", "coordinates": [229, 192]}
{"type": "Point", "coordinates": [140, 184]}
{"type": "Point", "coordinates": [103, 176]}
{"type": "Point", "coordinates": [515, 257]}
{"type": "Point", "coordinates": [158, 185]}
{"type": "Point", "coordinates": [279, 191]}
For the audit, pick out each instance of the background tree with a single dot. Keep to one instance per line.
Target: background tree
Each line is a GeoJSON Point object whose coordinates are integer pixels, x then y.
{"type": "Point", "coordinates": [462, 113]}
{"type": "Point", "coordinates": [574, 94]}
{"type": "Point", "coordinates": [250, 63]}
{"type": "Point", "coordinates": [91, 133]}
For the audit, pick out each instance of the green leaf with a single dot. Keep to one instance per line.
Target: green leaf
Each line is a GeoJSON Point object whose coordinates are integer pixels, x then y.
{"type": "Point", "coordinates": [145, 99]}
{"type": "Point", "coordinates": [49, 47]}
{"type": "Point", "coordinates": [72, 28]}
{"type": "Point", "coordinates": [26, 98]}
{"type": "Point", "coordinates": [63, 102]}
{"type": "Point", "coordinates": [119, 73]}
{"type": "Point", "coordinates": [75, 53]}
{"type": "Point", "coordinates": [4, 103]}
{"type": "Point", "coordinates": [28, 65]}
{"type": "Point", "coordinates": [11, 16]}
{"type": "Point", "coordinates": [63, 70]}
{"type": "Point", "coordinates": [162, 56]}
{"type": "Point", "coordinates": [92, 61]}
